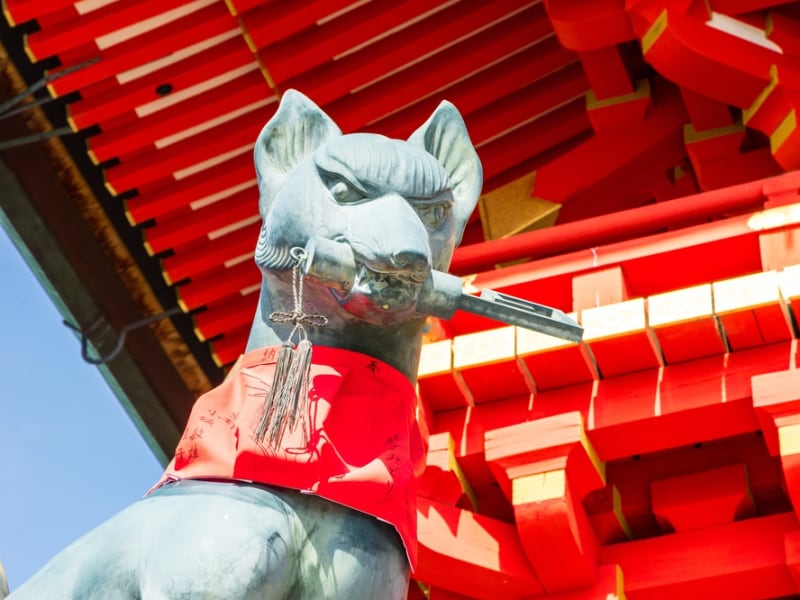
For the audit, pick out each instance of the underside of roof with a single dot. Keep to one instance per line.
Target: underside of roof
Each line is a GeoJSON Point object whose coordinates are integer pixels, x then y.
{"type": "Point", "coordinates": [641, 170]}
{"type": "Point", "coordinates": [577, 109]}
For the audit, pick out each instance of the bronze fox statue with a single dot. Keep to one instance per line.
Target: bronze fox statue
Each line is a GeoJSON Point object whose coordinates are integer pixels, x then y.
{"type": "Point", "coordinates": [325, 510]}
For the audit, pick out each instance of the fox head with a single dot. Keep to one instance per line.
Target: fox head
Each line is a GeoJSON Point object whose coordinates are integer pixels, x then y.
{"type": "Point", "coordinates": [401, 206]}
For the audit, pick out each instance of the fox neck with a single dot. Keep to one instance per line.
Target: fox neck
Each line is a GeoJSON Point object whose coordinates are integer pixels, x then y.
{"type": "Point", "coordinates": [397, 345]}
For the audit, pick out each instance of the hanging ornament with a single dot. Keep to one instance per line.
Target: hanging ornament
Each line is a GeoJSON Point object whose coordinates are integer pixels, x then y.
{"type": "Point", "coordinates": [286, 407]}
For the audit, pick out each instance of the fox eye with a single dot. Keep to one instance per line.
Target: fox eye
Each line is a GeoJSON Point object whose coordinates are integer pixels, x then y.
{"type": "Point", "coordinates": [433, 214]}
{"type": "Point", "coordinates": [343, 191]}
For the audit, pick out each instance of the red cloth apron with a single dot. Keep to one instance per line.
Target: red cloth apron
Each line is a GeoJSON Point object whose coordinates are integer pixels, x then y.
{"type": "Point", "coordinates": [365, 449]}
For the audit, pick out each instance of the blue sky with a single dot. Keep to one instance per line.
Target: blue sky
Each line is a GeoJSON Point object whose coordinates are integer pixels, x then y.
{"type": "Point", "coordinates": [69, 456]}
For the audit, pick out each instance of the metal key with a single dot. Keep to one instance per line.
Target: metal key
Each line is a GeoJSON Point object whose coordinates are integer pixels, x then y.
{"type": "Point", "coordinates": [442, 294]}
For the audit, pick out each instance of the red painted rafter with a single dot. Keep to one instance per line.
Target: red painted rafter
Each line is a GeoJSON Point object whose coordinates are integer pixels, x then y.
{"type": "Point", "coordinates": [188, 227]}
{"type": "Point", "coordinates": [152, 131]}
{"type": "Point", "coordinates": [399, 50]}
{"type": "Point", "coordinates": [135, 97]}
{"type": "Point", "coordinates": [338, 79]}
{"type": "Point", "coordinates": [271, 22]}
{"type": "Point", "coordinates": [20, 11]}
{"type": "Point", "coordinates": [91, 28]}
{"type": "Point", "coordinates": [194, 154]}
{"type": "Point", "coordinates": [228, 249]}
{"type": "Point", "coordinates": [530, 66]}
{"type": "Point", "coordinates": [323, 42]}
{"type": "Point", "coordinates": [160, 202]}
{"type": "Point", "coordinates": [207, 26]}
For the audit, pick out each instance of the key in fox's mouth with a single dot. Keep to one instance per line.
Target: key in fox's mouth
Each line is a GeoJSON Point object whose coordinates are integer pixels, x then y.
{"type": "Point", "coordinates": [392, 292]}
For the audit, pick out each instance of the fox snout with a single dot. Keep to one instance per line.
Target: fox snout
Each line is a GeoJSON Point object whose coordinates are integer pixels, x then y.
{"type": "Point", "coordinates": [392, 241]}
{"type": "Point", "coordinates": [408, 264]}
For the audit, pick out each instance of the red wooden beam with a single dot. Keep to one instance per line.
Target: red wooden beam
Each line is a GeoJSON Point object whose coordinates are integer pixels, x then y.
{"type": "Point", "coordinates": [776, 395]}
{"type": "Point", "coordinates": [269, 22]}
{"type": "Point", "coordinates": [20, 11]}
{"type": "Point", "coordinates": [523, 105]}
{"type": "Point", "coordinates": [553, 363]}
{"type": "Point", "coordinates": [325, 39]}
{"type": "Point", "coordinates": [607, 229]}
{"type": "Point", "coordinates": [606, 71]}
{"type": "Point", "coordinates": [751, 310]}
{"type": "Point", "coordinates": [637, 413]}
{"type": "Point", "coordinates": [589, 26]}
{"type": "Point", "coordinates": [784, 31]}
{"type": "Point", "coordinates": [355, 109]}
{"type": "Point", "coordinates": [684, 324]}
{"type": "Point", "coordinates": [219, 284]}
{"type": "Point", "coordinates": [619, 338]}
{"type": "Point", "coordinates": [226, 350]}
{"type": "Point", "coordinates": [534, 138]}
{"type": "Point", "coordinates": [591, 171]}
{"type": "Point", "coordinates": [737, 561]}
{"type": "Point", "coordinates": [701, 58]}
{"type": "Point", "coordinates": [488, 367]}
{"type": "Point", "coordinates": [713, 251]}
{"type": "Point", "coordinates": [634, 476]}
{"type": "Point", "coordinates": [226, 316]}
{"type": "Point", "coordinates": [444, 480]}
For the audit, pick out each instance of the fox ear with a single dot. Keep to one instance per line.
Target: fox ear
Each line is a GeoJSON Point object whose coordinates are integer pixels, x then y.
{"type": "Point", "coordinates": [444, 135]}
{"type": "Point", "coordinates": [297, 129]}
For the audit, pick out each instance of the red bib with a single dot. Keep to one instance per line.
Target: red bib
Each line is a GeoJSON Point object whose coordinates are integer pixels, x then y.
{"type": "Point", "coordinates": [365, 449]}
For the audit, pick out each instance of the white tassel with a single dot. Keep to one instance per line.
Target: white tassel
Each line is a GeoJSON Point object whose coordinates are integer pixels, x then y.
{"type": "Point", "coordinates": [286, 407]}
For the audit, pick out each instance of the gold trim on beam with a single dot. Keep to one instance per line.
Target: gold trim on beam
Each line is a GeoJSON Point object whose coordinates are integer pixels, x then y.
{"type": "Point", "coordinates": [642, 91]}
{"type": "Point", "coordinates": [783, 131]}
{"type": "Point", "coordinates": [658, 27]}
{"type": "Point", "coordinates": [253, 48]}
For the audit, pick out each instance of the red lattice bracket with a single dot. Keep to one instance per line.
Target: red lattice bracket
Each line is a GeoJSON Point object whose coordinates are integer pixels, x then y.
{"type": "Point", "coordinates": [776, 398]}
{"type": "Point", "coordinates": [444, 480]}
{"type": "Point", "coordinates": [553, 362]}
{"type": "Point", "coordinates": [703, 499]}
{"type": "Point", "coordinates": [546, 467]}
{"type": "Point", "coordinates": [487, 363]}
{"type": "Point", "coordinates": [620, 339]}
{"type": "Point", "coordinates": [685, 325]}
{"type": "Point", "coordinates": [439, 385]}
{"type": "Point", "coordinates": [464, 553]}
{"type": "Point", "coordinates": [610, 585]}
{"type": "Point", "coordinates": [751, 310]}
{"type": "Point", "coordinates": [791, 541]}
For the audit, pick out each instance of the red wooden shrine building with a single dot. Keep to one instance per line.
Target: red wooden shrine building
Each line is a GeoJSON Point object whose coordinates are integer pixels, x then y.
{"type": "Point", "coordinates": [642, 170]}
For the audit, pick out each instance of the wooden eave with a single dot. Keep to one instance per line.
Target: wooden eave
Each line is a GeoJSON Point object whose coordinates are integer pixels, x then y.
{"type": "Point", "coordinates": [57, 224]}
{"type": "Point", "coordinates": [577, 110]}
